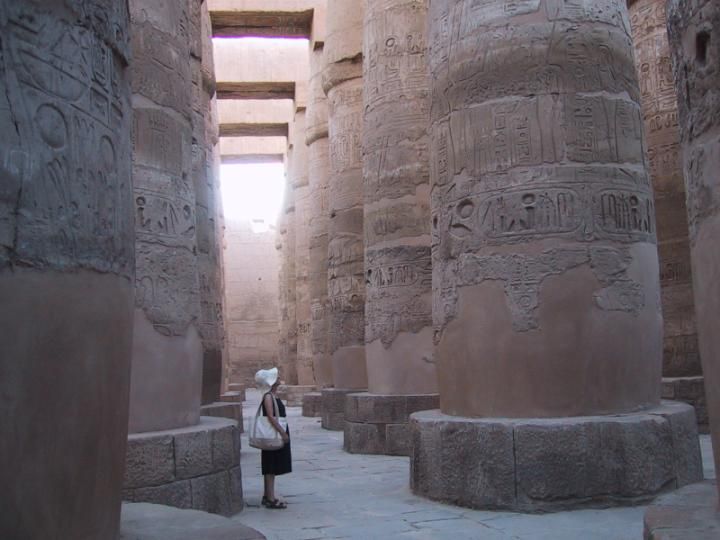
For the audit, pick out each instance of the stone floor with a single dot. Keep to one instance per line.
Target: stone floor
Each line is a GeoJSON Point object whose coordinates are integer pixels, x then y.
{"type": "Point", "coordinates": [332, 494]}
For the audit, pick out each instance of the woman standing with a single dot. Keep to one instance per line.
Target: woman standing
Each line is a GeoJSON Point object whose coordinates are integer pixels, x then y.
{"type": "Point", "coordinates": [274, 462]}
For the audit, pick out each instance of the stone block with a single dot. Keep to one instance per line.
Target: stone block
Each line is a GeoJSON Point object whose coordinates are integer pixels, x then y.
{"type": "Point", "coordinates": [376, 409]}
{"type": "Point", "coordinates": [193, 454]}
{"type": "Point", "coordinates": [213, 493]}
{"type": "Point", "coordinates": [312, 405]}
{"type": "Point", "coordinates": [225, 448]}
{"type": "Point", "coordinates": [236, 397]}
{"type": "Point", "coordinates": [397, 440]}
{"type": "Point", "coordinates": [333, 421]}
{"type": "Point", "coordinates": [690, 390]}
{"type": "Point", "coordinates": [175, 494]}
{"type": "Point", "coordinates": [149, 460]}
{"type": "Point", "coordinates": [236, 489]}
{"type": "Point", "coordinates": [364, 438]}
{"type": "Point", "coordinates": [231, 410]}
{"type": "Point", "coordinates": [539, 465]}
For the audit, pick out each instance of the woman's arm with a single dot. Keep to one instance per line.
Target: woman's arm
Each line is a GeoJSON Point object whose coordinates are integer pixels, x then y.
{"type": "Point", "coordinates": [270, 412]}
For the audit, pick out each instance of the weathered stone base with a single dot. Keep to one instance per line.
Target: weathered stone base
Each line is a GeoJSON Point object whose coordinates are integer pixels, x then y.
{"type": "Point", "coordinates": [333, 407]}
{"type": "Point", "coordinates": [233, 397]}
{"type": "Point", "coordinates": [292, 395]}
{"type": "Point", "coordinates": [547, 465]}
{"type": "Point", "coordinates": [689, 513]}
{"type": "Point", "coordinates": [312, 405]}
{"type": "Point", "coordinates": [378, 424]}
{"type": "Point", "coordinates": [237, 387]}
{"type": "Point", "coordinates": [196, 467]}
{"type": "Point", "coordinates": [690, 390]}
{"type": "Point", "coordinates": [220, 409]}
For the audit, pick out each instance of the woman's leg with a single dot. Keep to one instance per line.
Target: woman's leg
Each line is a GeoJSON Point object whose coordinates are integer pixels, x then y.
{"type": "Point", "coordinates": [269, 480]}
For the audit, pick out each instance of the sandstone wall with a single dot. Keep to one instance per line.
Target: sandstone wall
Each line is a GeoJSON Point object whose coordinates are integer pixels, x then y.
{"type": "Point", "coordinates": [251, 294]}
{"type": "Point", "coordinates": [66, 266]}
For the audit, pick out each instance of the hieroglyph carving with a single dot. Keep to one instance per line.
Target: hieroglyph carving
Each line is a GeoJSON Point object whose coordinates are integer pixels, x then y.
{"type": "Point", "coordinates": [552, 148]}
{"type": "Point", "coordinates": [65, 194]}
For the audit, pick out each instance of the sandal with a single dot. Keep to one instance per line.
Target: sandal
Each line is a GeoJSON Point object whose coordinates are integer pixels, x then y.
{"type": "Point", "coordinates": [276, 504]}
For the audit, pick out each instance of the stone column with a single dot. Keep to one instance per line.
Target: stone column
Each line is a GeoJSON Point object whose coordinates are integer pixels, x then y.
{"type": "Point", "coordinates": [342, 82]}
{"type": "Point", "coordinates": [66, 266]}
{"type": "Point", "coordinates": [166, 458]}
{"type": "Point", "coordinates": [398, 306]}
{"type": "Point", "coordinates": [545, 271]}
{"type": "Point", "coordinates": [694, 35]}
{"type": "Point", "coordinates": [288, 321]}
{"type": "Point", "coordinates": [205, 138]}
{"type": "Point", "coordinates": [316, 129]}
{"type": "Point", "coordinates": [682, 372]}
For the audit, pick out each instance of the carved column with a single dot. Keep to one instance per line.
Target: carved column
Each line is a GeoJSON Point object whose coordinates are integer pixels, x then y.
{"type": "Point", "coordinates": [398, 306]}
{"type": "Point", "coordinates": [545, 271]}
{"type": "Point", "coordinates": [66, 266]}
{"type": "Point", "coordinates": [288, 322]}
{"type": "Point", "coordinates": [319, 176]}
{"type": "Point", "coordinates": [694, 35]}
{"type": "Point", "coordinates": [175, 253]}
{"type": "Point", "coordinates": [682, 372]}
{"type": "Point", "coordinates": [342, 82]}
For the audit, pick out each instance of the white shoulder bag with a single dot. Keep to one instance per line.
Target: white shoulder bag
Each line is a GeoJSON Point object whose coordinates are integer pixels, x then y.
{"type": "Point", "coordinates": [263, 434]}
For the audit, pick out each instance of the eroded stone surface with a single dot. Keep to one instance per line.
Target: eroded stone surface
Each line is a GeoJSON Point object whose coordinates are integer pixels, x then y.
{"type": "Point", "coordinates": [532, 465]}
{"type": "Point", "coordinates": [695, 44]}
{"type": "Point", "coordinates": [543, 219]}
{"type": "Point", "coordinates": [681, 357]}
{"type": "Point", "coordinates": [66, 265]}
{"type": "Point", "coordinates": [342, 81]}
{"type": "Point", "coordinates": [398, 319]}
{"type": "Point", "coordinates": [333, 408]}
{"type": "Point", "coordinates": [312, 405]}
{"type": "Point", "coordinates": [319, 177]}
{"type": "Point", "coordinates": [287, 355]}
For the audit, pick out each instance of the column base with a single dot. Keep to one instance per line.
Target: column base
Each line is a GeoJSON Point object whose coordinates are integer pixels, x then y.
{"type": "Point", "coordinates": [233, 397]}
{"type": "Point", "coordinates": [237, 387]}
{"type": "Point", "coordinates": [690, 390]}
{"type": "Point", "coordinates": [554, 464]}
{"type": "Point", "coordinates": [690, 512]}
{"type": "Point", "coordinates": [220, 409]}
{"type": "Point", "coordinates": [197, 467]}
{"type": "Point", "coordinates": [312, 405]}
{"type": "Point", "coordinates": [378, 424]}
{"type": "Point", "coordinates": [333, 407]}
{"type": "Point", "coordinates": [292, 395]}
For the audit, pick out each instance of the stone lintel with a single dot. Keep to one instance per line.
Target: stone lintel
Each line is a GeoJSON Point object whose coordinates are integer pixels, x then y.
{"type": "Point", "coordinates": [378, 424]}
{"type": "Point", "coordinates": [241, 159]}
{"type": "Point", "coordinates": [690, 512]}
{"type": "Point", "coordinates": [256, 90]}
{"type": "Point", "coordinates": [242, 129]}
{"type": "Point", "coordinates": [312, 405]}
{"type": "Point", "coordinates": [548, 465]}
{"type": "Point", "coordinates": [269, 24]}
{"type": "Point", "coordinates": [333, 407]}
{"type": "Point", "coordinates": [194, 467]}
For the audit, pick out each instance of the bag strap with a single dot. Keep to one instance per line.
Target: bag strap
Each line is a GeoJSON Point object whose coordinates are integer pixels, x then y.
{"type": "Point", "coordinates": [276, 408]}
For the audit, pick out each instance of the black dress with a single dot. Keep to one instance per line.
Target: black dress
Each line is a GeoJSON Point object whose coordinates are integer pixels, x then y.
{"type": "Point", "coordinates": [277, 461]}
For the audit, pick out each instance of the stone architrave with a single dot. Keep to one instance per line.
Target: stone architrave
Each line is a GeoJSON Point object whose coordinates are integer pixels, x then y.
{"type": "Point", "coordinates": [694, 36]}
{"type": "Point", "coordinates": [301, 191]}
{"type": "Point", "coordinates": [545, 268]}
{"type": "Point", "coordinates": [681, 360]}
{"type": "Point", "coordinates": [342, 83]}
{"type": "Point", "coordinates": [396, 171]}
{"type": "Point", "coordinates": [66, 266]}
{"type": "Point", "coordinates": [316, 129]}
